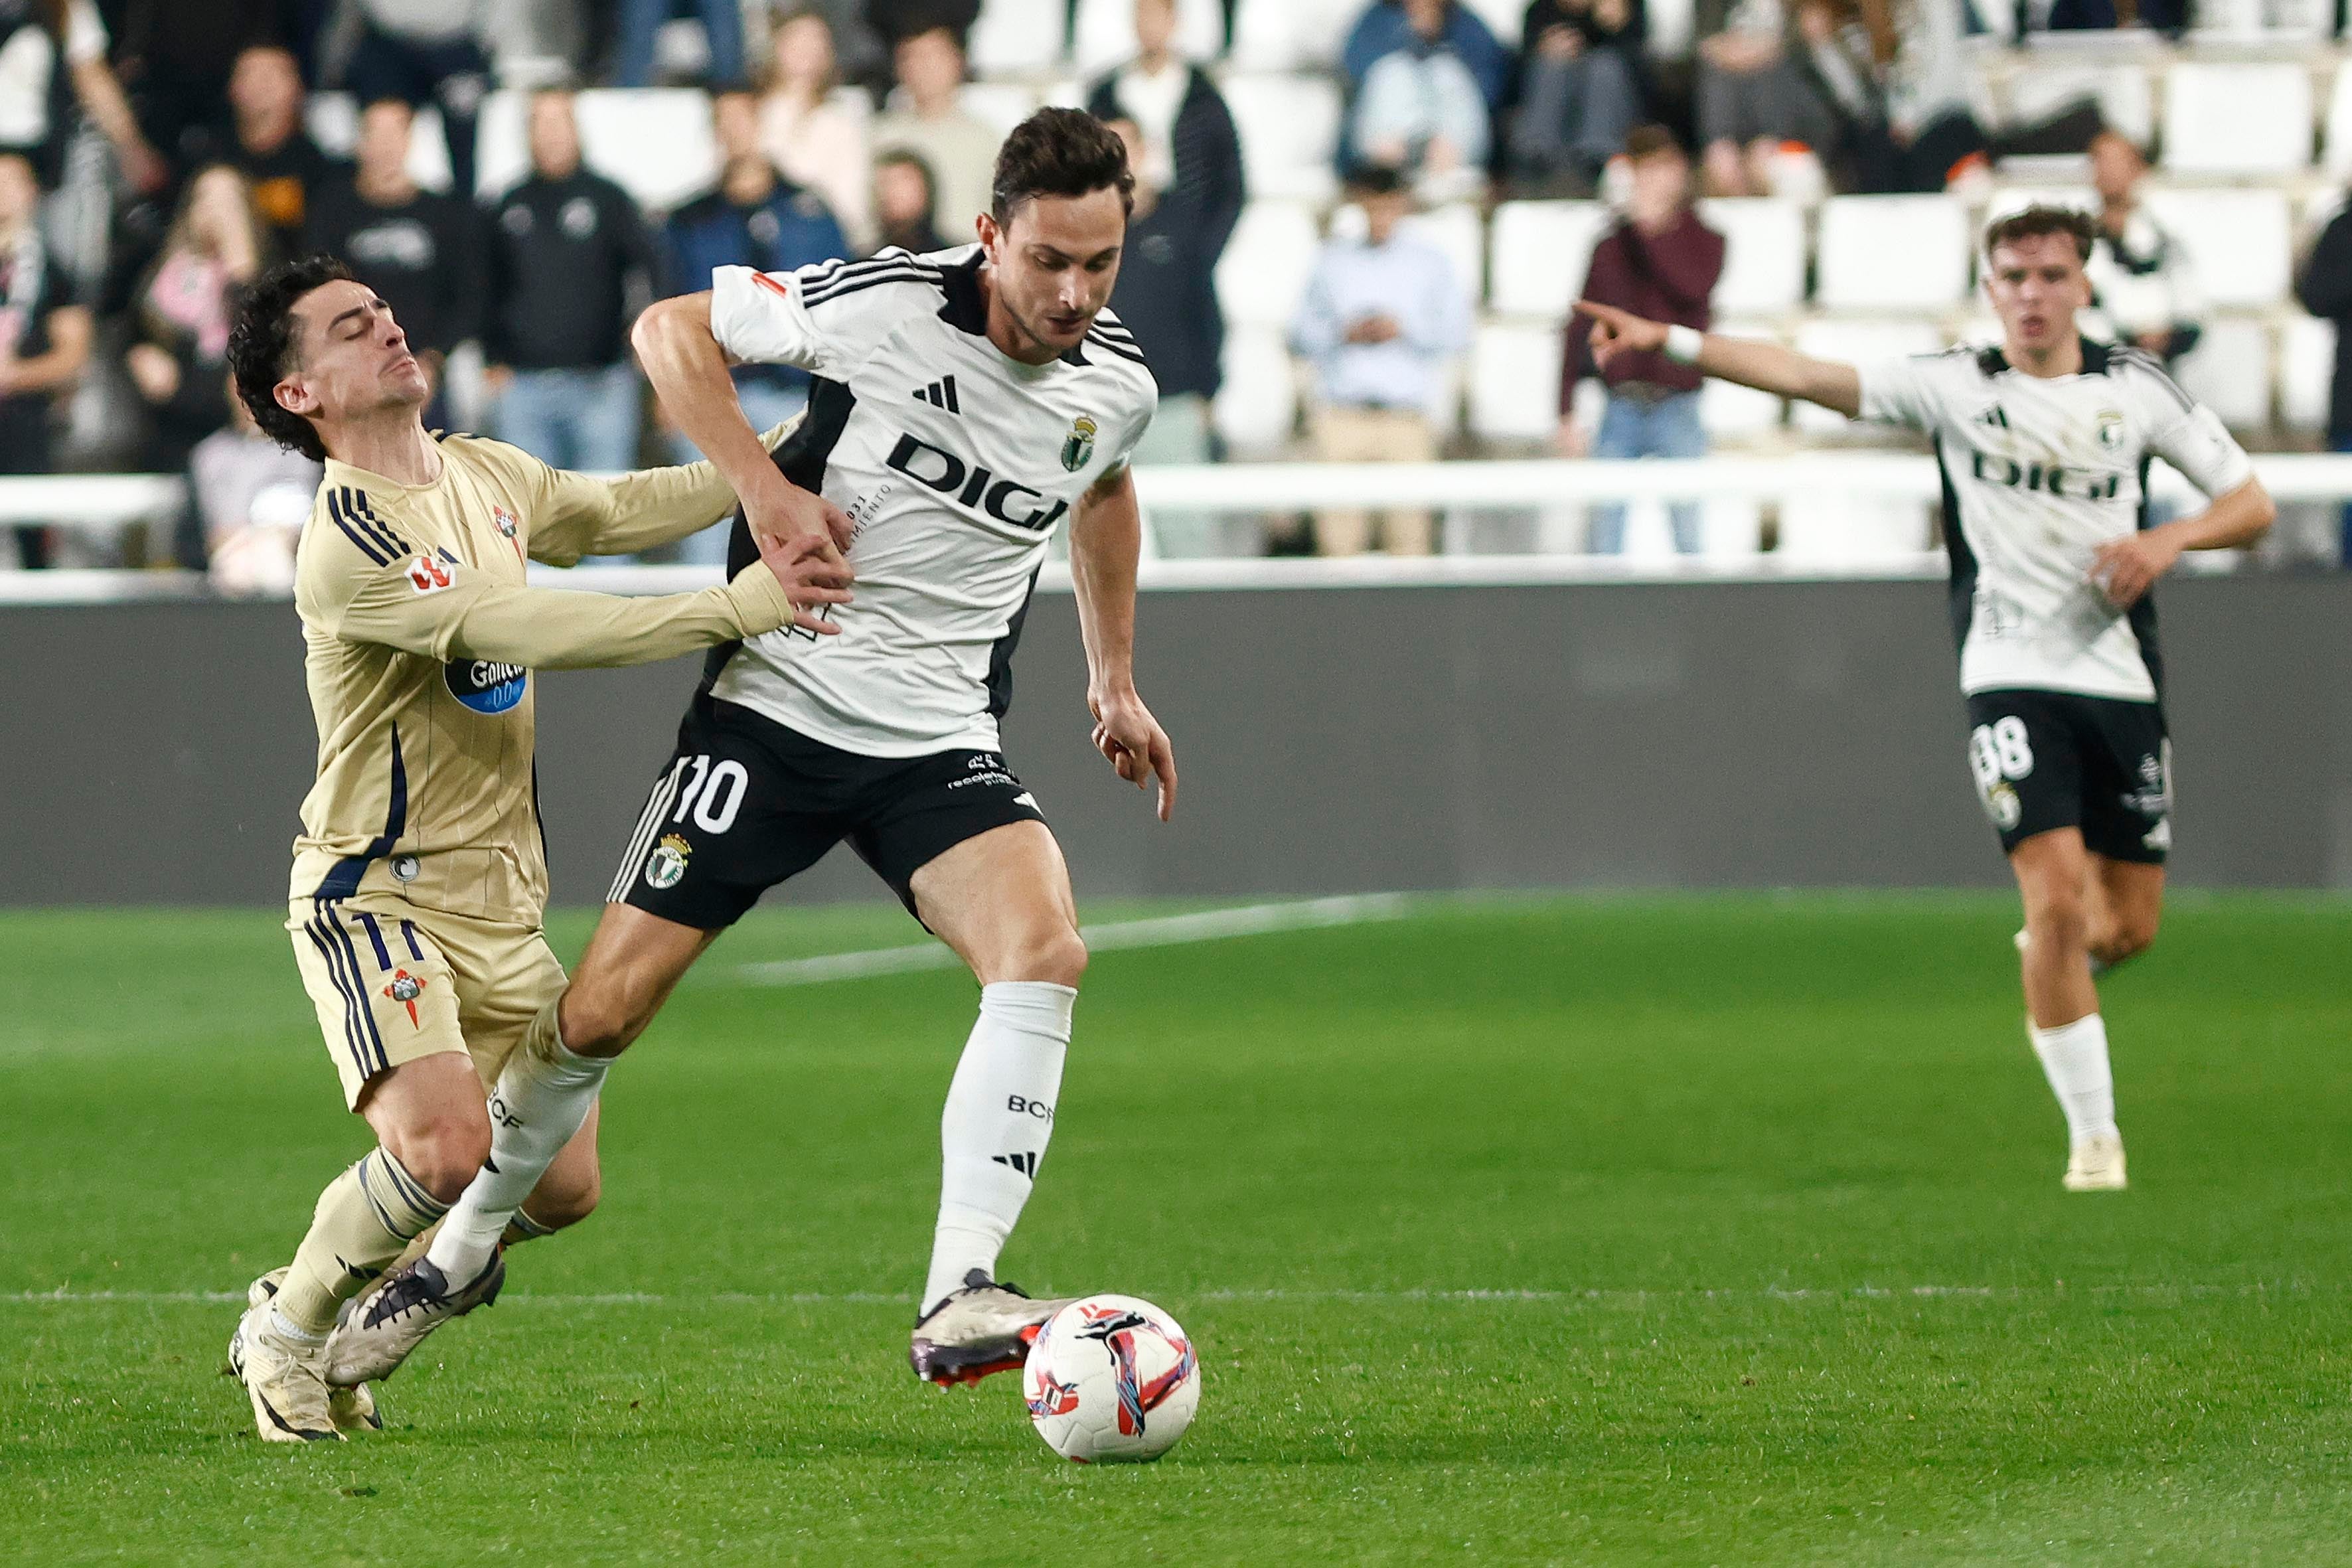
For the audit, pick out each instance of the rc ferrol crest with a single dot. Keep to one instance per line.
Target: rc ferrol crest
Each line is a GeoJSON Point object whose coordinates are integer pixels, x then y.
{"type": "Point", "coordinates": [667, 864]}
{"type": "Point", "coordinates": [1079, 449]}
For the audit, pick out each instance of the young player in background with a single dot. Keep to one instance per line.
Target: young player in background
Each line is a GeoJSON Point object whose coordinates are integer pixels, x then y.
{"type": "Point", "coordinates": [2044, 444]}
{"type": "Point", "coordinates": [965, 402]}
{"type": "Point", "coordinates": [419, 881]}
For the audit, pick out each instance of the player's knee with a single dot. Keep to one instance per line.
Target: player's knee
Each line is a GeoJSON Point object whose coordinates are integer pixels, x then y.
{"type": "Point", "coordinates": [2133, 935]}
{"type": "Point", "coordinates": [444, 1154]}
{"type": "Point", "coordinates": [2057, 917]}
{"type": "Point", "coordinates": [567, 1198]}
{"type": "Point", "coordinates": [1057, 955]}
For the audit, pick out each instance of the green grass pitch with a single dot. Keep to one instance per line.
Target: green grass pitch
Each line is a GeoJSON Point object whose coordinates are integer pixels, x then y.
{"type": "Point", "coordinates": [1677, 1230]}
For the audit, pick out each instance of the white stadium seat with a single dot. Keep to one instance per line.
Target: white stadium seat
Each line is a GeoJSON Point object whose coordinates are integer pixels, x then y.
{"type": "Point", "coordinates": [2307, 372]}
{"type": "Point", "coordinates": [1859, 343]}
{"type": "Point", "coordinates": [2336, 144]}
{"type": "Point", "coordinates": [1019, 37]}
{"type": "Point", "coordinates": [999, 105]}
{"type": "Point", "coordinates": [1833, 531]}
{"type": "Point", "coordinates": [1763, 254]}
{"type": "Point", "coordinates": [2228, 371]}
{"type": "Point", "coordinates": [1105, 34]}
{"type": "Point", "coordinates": [2241, 241]}
{"type": "Point", "coordinates": [1286, 34]}
{"type": "Point", "coordinates": [1263, 274]}
{"type": "Point", "coordinates": [653, 143]}
{"type": "Point", "coordinates": [1258, 403]}
{"type": "Point", "coordinates": [1893, 253]}
{"type": "Point", "coordinates": [1289, 129]}
{"type": "Point", "coordinates": [1540, 252]}
{"type": "Point", "coordinates": [2124, 92]}
{"type": "Point", "coordinates": [2017, 198]}
{"type": "Point", "coordinates": [502, 146]}
{"type": "Point", "coordinates": [1672, 24]}
{"type": "Point", "coordinates": [1514, 382]}
{"type": "Point", "coordinates": [2237, 118]}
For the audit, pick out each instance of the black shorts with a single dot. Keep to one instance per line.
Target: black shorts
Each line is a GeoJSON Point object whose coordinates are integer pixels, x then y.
{"type": "Point", "coordinates": [745, 803]}
{"type": "Point", "coordinates": [2045, 760]}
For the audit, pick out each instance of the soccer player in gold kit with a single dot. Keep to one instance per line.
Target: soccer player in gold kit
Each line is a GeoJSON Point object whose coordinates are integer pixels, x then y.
{"type": "Point", "coordinates": [419, 880]}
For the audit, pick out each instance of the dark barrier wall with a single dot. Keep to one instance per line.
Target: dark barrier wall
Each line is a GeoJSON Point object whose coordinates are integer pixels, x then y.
{"type": "Point", "coordinates": [1612, 735]}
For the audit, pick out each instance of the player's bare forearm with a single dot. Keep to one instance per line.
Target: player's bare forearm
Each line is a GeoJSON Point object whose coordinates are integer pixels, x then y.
{"type": "Point", "coordinates": [1106, 542]}
{"type": "Point", "coordinates": [2127, 568]}
{"type": "Point", "coordinates": [1768, 367]}
{"type": "Point", "coordinates": [689, 374]}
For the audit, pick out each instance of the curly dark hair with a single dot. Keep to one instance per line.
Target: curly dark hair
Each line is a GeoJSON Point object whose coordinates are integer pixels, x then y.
{"type": "Point", "coordinates": [2037, 220]}
{"type": "Point", "coordinates": [1060, 153]}
{"type": "Point", "coordinates": [261, 346]}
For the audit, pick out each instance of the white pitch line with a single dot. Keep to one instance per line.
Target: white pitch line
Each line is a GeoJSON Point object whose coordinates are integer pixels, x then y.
{"type": "Point", "coordinates": [1499, 1296]}
{"type": "Point", "coordinates": [1163, 931]}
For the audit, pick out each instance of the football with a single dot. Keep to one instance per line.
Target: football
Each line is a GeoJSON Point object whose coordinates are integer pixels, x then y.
{"type": "Point", "coordinates": [1112, 1379]}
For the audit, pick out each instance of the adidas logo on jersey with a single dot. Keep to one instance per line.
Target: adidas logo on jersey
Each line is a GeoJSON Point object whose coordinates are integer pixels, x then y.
{"type": "Point", "coordinates": [1024, 1163]}
{"type": "Point", "coordinates": [940, 394]}
{"type": "Point", "coordinates": [1995, 415]}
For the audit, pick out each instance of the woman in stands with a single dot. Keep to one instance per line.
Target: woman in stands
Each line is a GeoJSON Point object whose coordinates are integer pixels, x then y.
{"type": "Point", "coordinates": [815, 134]}
{"type": "Point", "coordinates": [181, 309]}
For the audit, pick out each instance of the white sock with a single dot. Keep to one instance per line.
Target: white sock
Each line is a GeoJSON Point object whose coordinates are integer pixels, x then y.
{"type": "Point", "coordinates": [544, 1095]}
{"type": "Point", "coordinates": [999, 1118]}
{"type": "Point", "coordinates": [2074, 1057]}
{"type": "Point", "coordinates": [294, 1331]}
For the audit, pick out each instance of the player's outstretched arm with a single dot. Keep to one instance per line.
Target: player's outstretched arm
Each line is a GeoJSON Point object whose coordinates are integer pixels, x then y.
{"type": "Point", "coordinates": [1768, 367]}
{"type": "Point", "coordinates": [1106, 540]}
{"type": "Point", "coordinates": [589, 514]}
{"type": "Point", "coordinates": [423, 604]}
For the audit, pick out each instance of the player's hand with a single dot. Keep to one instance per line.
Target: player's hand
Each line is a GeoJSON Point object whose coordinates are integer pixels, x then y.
{"type": "Point", "coordinates": [813, 575]}
{"type": "Point", "coordinates": [781, 509]}
{"type": "Point", "coordinates": [1134, 744]}
{"type": "Point", "coordinates": [1616, 332]}
{"type": "Point", "coordinates": [2126, 568]}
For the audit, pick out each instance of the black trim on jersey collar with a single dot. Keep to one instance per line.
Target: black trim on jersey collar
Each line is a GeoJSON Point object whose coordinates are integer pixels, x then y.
{"type": "Point", "coordinates": [2096, 359]}
{"type": "Point", "coordinates": [967, 306]}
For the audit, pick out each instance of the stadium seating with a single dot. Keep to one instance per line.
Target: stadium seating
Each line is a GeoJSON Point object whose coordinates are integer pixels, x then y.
{"type": "Point", "coordinates": [1764, 256]}
{"type": "Point", "coordinates": [2230, 371]}
{"type": "Point", "coordinates": [1289, 130]}
{"type": "Point", "coordinates": [1291, 34]}
{"type": "Point", "coordinates": [2239, 241]}
{"type": "Point", "coordinates": [1514, 383]}
{"type": "Point", "coordinates": [2306, 371]}
{"type": "Point", "coordinates": [2237, 119]}
{"type": "Point", "coordinates": [1893, 253]}
{"type": "Point", "coordinates": [1540, 250]}
{"type": "Point", "coordinates": [1258, 409]}
{"type": "Point", "coordinates": [1104, 36]}
{"type": "Point", "coordinates": [1264, 270]}
{"type": "Point", "coordinates": [2124, 92]}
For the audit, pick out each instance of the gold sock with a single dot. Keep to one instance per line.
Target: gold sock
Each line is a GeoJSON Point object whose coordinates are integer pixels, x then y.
{"type": "Point", "coordinates": [522, 1229]}
{"type": "Point", "coordinates": [365, 1219]}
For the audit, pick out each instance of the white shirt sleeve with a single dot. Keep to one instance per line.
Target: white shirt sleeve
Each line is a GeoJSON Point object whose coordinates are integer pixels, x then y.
{"type": "Point", "coordinates": [759, 317]}
{"type": "Point", "coordinates": [85, 33]}
{"type": "Point", "coordinates": [2190, 437]}
{"type": "Point", "coordinates": [1900, 392]}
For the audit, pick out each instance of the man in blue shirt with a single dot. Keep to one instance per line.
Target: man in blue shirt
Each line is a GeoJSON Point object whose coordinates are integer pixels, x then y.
{"type": "Point", "coordinates": [1382, 317]}
{"type": "Point", "coordinates": [754, 217]}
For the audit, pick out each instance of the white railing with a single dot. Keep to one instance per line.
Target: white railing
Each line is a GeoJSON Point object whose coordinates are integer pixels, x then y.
{"type": "Point", "coordinates": [110, 502]}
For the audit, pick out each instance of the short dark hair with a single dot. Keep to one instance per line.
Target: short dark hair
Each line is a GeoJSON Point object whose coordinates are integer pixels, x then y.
{"type": "Point", "coordinates": [262, 342]}
{"type": "Point", "coordinates": [1649, 142]}
{"type": "Point", "coordinates": [1377, 180]}
{"type": "Point", "coordinates": [2037, 220]}
{"type": "Point", "coordinates": [1060, 153]}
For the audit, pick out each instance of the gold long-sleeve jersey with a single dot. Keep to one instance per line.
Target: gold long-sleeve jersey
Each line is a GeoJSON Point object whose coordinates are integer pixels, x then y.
{"type": "Point", "coordinates": [422, 636]}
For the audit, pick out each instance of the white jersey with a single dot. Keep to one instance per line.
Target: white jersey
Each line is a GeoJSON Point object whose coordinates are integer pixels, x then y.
{"type": "Point", "coordinates": [2039, 471]}
{"type": "Point", "coordinates": [954, 463]}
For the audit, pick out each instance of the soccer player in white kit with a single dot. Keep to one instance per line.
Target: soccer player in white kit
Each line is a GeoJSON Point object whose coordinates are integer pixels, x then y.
{"type": "Point", "coordinates": [2044, 444]}
{"type": "Point", "coordinates": [965, 403]}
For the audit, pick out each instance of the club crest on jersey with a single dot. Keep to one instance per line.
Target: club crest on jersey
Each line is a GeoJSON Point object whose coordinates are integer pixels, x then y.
{"type": "Point", "coordinates": [2111, 429]}
{"type": "Point", "coordinates": [484, 686]}
{"type": "Point", "coordinates": [667, 865]}
{"type": "Point", "coordinates": [404, 989]}
{"type": "Point", "coordinates": [509, 525]}
{"type": "Point", "coordinates": [427, 576]}
{"type": "Point", "coordinates": [1078, 448]}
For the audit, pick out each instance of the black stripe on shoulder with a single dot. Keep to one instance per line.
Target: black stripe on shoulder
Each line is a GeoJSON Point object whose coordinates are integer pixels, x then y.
{"type": "Point", "coordinates": [367, 543]}
{"type": "Point", "coordinates": [1124, 350]}
{"type": "Point", "coordinates": [1112, 329]}
{"type": "Point", "coordinates": [834, 288]}
{"type": "Point", "coordinates": [367, 509]}
{"type": "Point", "coordinates": [2141, 360]}
{"type": "Point", "coordinates": [357, 513]}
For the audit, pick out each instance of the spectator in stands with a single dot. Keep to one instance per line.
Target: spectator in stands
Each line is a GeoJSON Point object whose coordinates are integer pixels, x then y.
{"type": "Point", "coordinates": [1662, 262]}
{"type": "Point", "coordinates": [37, 97]}
{"type": "Point", "coordinates": [1429, 79]}
{"type": "Point", "coordinates": [2326, 290]}
{"type": "Point", "coordinates": [753, 217]}
{"type": "Point", "coordinates": [926, 117]}
{"type": "Point", "coordinates": [271, 148]}
{"type": "Point", "coordinates": [421, 52]}
{"type": "Point", "coordinates": [565, 254]}
{"type": "Point", "coordinates": [1751, 96]}
{"type": "Point", "coordinates": [44, 339]}
{"type": "Point", "coordinates": [419, 250]}
{"type": "Point", "coordinates": [174, 58]}
{"type": "Point", "coordinates": [1189, 151]}
{"type": "Point", "coordinates": [641, 21]}
{"type": "Point", "coordinates": [904, 201]}
{"type": "Point", "coordinates": [181, 313]}
{"type": "Point", "coordinates": [1167, 296]}
{"type": "Point", "coordinates": [2141, 281]}
{"type": "Point", "coordinates": [897, 20]}
{"type": "Point", "coordinates": [252, 496]}
{"type": "Point", "coordinates": [1382, 317]}
{"type": "Point", "coordinates": [1580, 90]}
{"type": "Point", "coordinates": [809, 132]}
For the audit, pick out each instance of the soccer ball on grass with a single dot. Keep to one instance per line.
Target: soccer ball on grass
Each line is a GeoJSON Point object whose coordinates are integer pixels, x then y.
{"type": "Point", "coordinates": [1111, 1378]}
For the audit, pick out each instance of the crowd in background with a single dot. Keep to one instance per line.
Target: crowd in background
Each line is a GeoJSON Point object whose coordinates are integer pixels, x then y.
{"type": "Point", "coordinates": [176, 133]}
